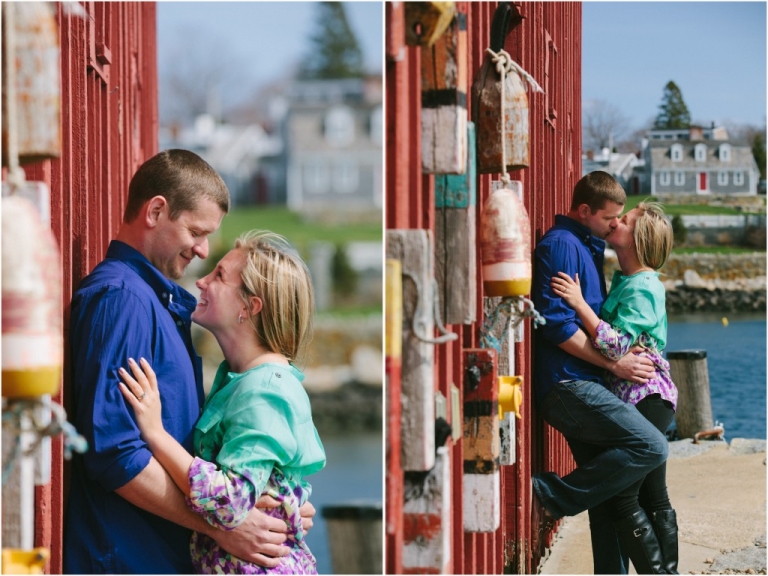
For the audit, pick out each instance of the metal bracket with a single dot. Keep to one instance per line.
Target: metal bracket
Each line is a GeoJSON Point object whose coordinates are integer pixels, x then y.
{"type": "Point", "coordinates": [419, 323]}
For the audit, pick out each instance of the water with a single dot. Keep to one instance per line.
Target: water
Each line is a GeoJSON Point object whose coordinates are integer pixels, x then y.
{"type": "Point", "coordinates": [353, 472]}
{"type": "Point", "coordinates": [736, 359]}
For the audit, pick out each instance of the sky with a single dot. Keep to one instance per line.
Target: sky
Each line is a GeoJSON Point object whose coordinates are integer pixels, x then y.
{"type": "Point", "coordinates": [259, 40]}
{"type": "Point", "coordinates": [714, 51]}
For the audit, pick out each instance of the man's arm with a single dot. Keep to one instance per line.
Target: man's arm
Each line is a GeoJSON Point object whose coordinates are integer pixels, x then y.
{"type": "Point", "coordinates": [255, 540]}
{"type": "Point", "coordinates": [638, 369]}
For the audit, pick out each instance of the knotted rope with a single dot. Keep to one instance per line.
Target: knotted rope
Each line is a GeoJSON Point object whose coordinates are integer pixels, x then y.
{"type": "Point", "coordinates": [14, 413]}
{"type": "Point", "coordinates": [509, 308]}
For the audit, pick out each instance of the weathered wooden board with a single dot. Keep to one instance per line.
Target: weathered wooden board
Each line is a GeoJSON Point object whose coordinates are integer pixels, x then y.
{"type": "Point", "coordinates": [455, 240]}
{"type": "Point", "coordinates": [414, 249]}
{"type": "Point", "coordinates": [444, 101]}
{"type": "Point", "coordinates": [482, 500]}
{"type": "Point", "coordinates": [427, 519]}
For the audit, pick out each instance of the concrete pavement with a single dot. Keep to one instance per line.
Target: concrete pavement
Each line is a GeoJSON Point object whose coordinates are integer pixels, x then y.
{"type": "Point", "coordinates": [719, 492]}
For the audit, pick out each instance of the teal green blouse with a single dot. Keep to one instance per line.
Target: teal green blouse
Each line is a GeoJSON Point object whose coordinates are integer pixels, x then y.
{"type": "Point", "coordinates": [258, 420]}
{"type": "Point", "coordinates": [636, 304]}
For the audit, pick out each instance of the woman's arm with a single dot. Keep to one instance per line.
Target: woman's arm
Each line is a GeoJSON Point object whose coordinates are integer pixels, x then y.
{"type": "Point", "coordinates": [142, 394]}
{"type": "Point", "coordinates": [570, 291]}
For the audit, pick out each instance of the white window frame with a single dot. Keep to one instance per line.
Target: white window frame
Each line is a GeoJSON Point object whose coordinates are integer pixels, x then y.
{"type": "Point", "coordinates": [664, 178]}
{"type": "Point", "coordinates": [738, 178]}
{"type": "Point", "coordinates": [679, 178]}
{"type": "Point", "coordinates": [339, 126]}
{"type": "Point", "coordinates": [725, 152]}
{"type": "Point", "coordinates": [317, 178]}
{"type": "Point", "coordinates": [346, 178]}
{"type": "Point", "coordinates": [700, 152]}
{"type": "Point", "coordinates": [676, 153]}
{"type": "Point", "coordinates": [722, 178]}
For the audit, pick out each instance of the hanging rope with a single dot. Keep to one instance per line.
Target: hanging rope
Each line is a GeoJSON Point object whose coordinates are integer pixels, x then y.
{"type": "Point", "coordinates": [18, 411]}
{"type": "Point", "coordinates": [514, 309]}
{"type": "Point", "coordinates": [504, 65]}
{"type": "Point", "coordinates": [419, 322]}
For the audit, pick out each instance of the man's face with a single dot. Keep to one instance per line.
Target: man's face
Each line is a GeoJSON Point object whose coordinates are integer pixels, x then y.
{"type": "Point", "coordinates": [602, 222]}
{"type": "Point", "coordinates": [177, 242]}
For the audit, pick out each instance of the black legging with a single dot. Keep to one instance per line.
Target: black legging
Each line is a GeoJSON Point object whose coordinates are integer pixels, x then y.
{"type": "Point", "coordinates": [650, 493]}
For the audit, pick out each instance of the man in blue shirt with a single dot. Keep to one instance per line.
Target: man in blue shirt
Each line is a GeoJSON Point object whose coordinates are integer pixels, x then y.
{"type": "Point", "coordinates": [612, 443]}
{"type": "Point", "coordinates": [125, 514]}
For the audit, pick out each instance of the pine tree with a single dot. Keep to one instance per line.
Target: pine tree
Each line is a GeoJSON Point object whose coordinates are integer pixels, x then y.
{"type": "Point", "coordinates": [673, 113]}
{"type": "Point", "coordinates": [758, 151]}
{"type": "Point", "coordinates": [334, 51]}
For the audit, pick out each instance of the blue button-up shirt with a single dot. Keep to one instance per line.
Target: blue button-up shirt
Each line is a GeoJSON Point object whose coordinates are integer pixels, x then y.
{"type": "Point", "coordinates": [567, 247]}
{"type": "Point", "coordinates": [126, 308]}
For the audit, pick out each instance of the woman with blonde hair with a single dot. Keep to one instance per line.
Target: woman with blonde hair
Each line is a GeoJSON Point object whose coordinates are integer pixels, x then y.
{"type": "Point", "coordinates": [255, 435]}
{"type": "Point", "coordinates": [634, 315]}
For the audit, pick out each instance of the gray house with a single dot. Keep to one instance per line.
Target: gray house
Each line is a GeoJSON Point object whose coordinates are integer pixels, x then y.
{"type": "Point", "coordinates": [334, 138]}
{"type": "Point", "coordinates": [698, 161]}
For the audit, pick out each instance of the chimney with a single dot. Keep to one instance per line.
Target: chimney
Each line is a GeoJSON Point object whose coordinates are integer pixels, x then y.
{"type": "Point", "coordinates": [695, 133]}
{"type": "Point", "coordinates": [590, 154]}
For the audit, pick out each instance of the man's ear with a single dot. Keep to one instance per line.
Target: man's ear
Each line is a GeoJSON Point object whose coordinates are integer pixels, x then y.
{"type": "Point", "coordinates": [584, 211]}
{"type": "Point", "coordinates": [154, 210]}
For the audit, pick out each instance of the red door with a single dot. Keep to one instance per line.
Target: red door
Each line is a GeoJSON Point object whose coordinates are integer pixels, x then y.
{"type": "Point", "coordinates": [703, 182]}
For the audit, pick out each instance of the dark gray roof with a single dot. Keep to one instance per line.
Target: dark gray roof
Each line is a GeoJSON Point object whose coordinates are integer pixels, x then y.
{"type": "Point", "coordinates": [661, 159]}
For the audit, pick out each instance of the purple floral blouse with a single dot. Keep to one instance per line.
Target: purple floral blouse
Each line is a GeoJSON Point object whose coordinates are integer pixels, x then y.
{"type": "Point", "coordinates": [614, 343]}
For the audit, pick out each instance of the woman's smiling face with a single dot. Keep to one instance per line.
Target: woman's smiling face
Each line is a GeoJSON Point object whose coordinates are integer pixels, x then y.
{"type": "Point", "coordinates": [220, 302]}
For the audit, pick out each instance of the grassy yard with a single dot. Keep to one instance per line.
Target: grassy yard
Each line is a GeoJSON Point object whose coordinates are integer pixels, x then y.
{"type": "Point", "coordinates": [301, 234]}
{"type": "Point", "coordinates": [716, 250]}
{"type": "Point", "coordinates": [683, 209]}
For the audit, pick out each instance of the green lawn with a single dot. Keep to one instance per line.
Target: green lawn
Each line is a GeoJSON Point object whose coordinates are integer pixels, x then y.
{"type": "Point", "coordinates": [301, 234]}
{"type": "Point", "coordinates": [716, 250]}
{"type": "Point", "coordinates": [683, 209]}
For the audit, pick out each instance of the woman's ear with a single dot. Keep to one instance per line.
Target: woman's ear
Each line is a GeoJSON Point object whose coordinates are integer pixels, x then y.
{"type": "Point", "coordinates": [256, 305]}
{"type": "Point", "coordinates": [154, 209]}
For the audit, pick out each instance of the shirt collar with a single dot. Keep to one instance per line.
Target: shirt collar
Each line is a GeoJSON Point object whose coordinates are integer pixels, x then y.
{"type": "Point", "coordinates": [581, 232]}
{"type": "Point", "coordinates": [168, 292]}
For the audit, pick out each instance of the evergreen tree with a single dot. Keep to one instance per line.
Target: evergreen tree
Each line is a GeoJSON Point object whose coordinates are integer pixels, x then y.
{"type": "Point", "coordinates": [334, 51]}
{"type": "Point", "coordinates": [673, 113]}
{"type": "Point", "coordinates": [758, 151]}
{"type": "Point", "coordinates": [678, 230]}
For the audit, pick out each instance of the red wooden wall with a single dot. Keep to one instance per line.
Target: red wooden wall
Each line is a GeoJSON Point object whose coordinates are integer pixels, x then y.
{"type": "Point", "coordinates": [547, 44]}
{"type": "Point", "coordinates": [109, 126]}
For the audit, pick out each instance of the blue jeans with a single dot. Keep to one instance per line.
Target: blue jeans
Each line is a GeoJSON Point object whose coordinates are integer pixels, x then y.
{"type": "Point", "coordinates": [613, 444]}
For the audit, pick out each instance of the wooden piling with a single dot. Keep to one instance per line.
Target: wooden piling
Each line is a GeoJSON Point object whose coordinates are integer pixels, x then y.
{"type": "Point", "coordinates": [694, 407]}
{"type": "Point", "coordinates": [355, 535]}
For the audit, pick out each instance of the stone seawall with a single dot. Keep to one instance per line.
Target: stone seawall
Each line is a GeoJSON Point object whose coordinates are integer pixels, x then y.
{"type": "Point", "coordinates": [710, 282]}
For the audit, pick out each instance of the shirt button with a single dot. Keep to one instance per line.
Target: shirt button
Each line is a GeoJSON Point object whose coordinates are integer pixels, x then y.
{"type": "Point", "coordinates": [165, 295]}
{"type": "Point", "coordinates": [279, 375]}
{"type": "Point", "coordinates": [179, 323]}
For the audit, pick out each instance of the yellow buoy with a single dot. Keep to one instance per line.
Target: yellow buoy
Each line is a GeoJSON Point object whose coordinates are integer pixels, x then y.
{"type": "Point", "coordinates": [724, 321]}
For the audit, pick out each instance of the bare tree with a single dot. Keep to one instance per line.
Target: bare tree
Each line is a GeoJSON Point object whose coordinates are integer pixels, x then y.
{"type": "Point", "coordinates": [194, 76]}
{"type": "Point", "coordinates": [603, 125]}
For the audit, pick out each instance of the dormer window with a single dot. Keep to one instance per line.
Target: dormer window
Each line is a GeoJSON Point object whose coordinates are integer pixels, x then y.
{"type": "Point", "coordinates": [700, 152]}
{"type": "Point", "coordinates": [725, 153]}
{"type": "Point", "coordinates": [676, 152]}
{"type": "Point", "coordinates": [339, 126]}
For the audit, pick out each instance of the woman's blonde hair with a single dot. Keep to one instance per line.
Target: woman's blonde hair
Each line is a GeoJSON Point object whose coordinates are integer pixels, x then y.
{"type": "Point", "coordinates": [275, 272]}
{"type": "Point", "coordinates": [653, 235]}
